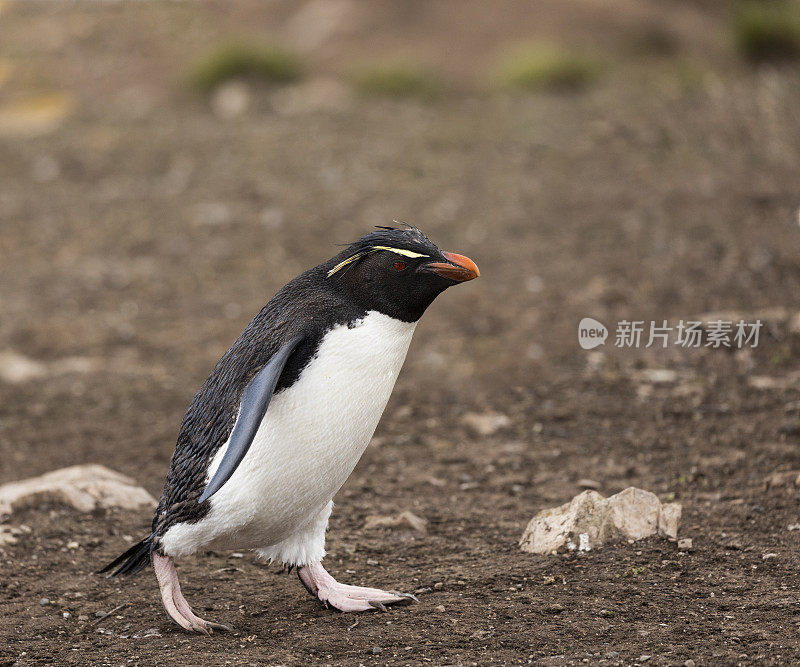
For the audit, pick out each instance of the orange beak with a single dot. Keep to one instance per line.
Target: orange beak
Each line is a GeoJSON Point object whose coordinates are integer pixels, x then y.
{"type": "Point", "coordinates": [457, 267]}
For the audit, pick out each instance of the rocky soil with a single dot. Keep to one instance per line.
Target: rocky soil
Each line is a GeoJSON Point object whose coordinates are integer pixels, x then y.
{"type": "Point", "coordinates": [143, 224]}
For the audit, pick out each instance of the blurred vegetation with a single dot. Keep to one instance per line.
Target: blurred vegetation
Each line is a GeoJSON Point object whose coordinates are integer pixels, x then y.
{"type": "Point", "coordinates": [690, 75]}
{"type": "Point", "coordinates": [549, 68]}
{"type": "Point", "coordinates": [396, 80]}
{"type": "Point", "coordinates": [236, 59]}
{"type": "Point", "coordinates": [656, 40]}
{"type": "Point", "coordinates": [768, 30]}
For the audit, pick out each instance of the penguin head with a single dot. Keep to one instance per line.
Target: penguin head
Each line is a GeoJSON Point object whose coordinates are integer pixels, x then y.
{"type": "Point", "coordinates": [398, 272]}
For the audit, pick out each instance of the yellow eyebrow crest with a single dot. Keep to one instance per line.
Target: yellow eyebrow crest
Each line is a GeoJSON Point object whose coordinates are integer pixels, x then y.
{"type": "Point", "coordinates": [359, 255]}
{"type": "Point", "coordinates": [349, 260]}
{"type": "Point", "coordinates": [399, 251]}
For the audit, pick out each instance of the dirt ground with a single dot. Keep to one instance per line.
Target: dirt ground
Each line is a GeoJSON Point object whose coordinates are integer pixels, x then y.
{"type": "Point", "coordinates": [140, 233]}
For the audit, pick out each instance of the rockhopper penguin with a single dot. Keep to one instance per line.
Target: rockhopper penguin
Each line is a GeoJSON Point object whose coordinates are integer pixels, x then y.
{"type": "Point", "coordinates": [279, 425]}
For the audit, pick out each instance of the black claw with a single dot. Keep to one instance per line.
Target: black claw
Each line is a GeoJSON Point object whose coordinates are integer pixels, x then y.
{"type": "Point", "coordinates": [306, 586]}
{"type": "Point", "coordinates": [405, 598]}
{"type": "Point", "coordinates": [377, 605]}
{"type": "Point", "coordinates": [218, 626]}
{"type": "Point", "coordinates": [405, 601]}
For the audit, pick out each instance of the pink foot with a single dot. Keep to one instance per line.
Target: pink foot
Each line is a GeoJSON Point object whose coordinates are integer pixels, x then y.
{"type": "Point", "coordinates": [174, 602]}
{"type": "Point", "coordinates": [324, 587]}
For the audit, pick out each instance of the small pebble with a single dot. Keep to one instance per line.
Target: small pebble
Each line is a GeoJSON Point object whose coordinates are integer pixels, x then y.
{"type": "Point", "coordinates": [555, 608]}
{"type": "Point", "coordinates": [769, 556]}
{"type": "Point", "coordinates": [688, 663]}
{"type": "Point", "coordinates": [100, 614]}
{"type": "Point", "coordinates": [44, 602]}
{"type": "Point", "coordinates": [685, 544]}
{"type": "Point", "coordinates": [438, 586]}
{"type": "Point", "coordinates": [440, 608]}
{"type": "Point", "coordinates": [376, 650]}
{"type": "Point", "coordinates": [72, 545]}
{"type": "Point", "coordinates": [607, 613]}
{"type": "Point", "coordinates": [66, 614]}
{"type": "Point", "coordinates": [83, 617]}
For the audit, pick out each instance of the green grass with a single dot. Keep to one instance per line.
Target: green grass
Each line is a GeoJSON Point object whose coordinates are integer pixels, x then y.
{"type": "Point", "coordinates": [689, 74]}
{"type": "Point", "coordinates": [768, 30]}
{"type": "Point", "coordinates": [396, 80]}
{"type": "Point", "coordinates": [235, 59]}
{"type": "Point", "coordinates": [549, 68]}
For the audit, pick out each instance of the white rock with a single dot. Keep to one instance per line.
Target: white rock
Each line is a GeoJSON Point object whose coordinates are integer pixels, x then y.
{"type": "Point", "coordinates": [8, 535]}
{"type": "Point", "coordinates": [84, 487]}
{"type": "Point", "coordinates": [780, 479]}
{"type": "Point", "coordinates": [657, 375]}
{"type": "Point", "coordinates": [15, 367]}
{"type": "Point", "coordinates": [231, 99]}
{"type": "Point", "coordinates": [487, 423]}
{"type": "Point", "coordinates": [589, 521]}
{"type": "Point", "coordinates": [768, 382]}
{"type": "Point", "coordinates": [212, 213]}
{"type": "Point", "coordinates": [404, 518]}
{"type": "Point", "coordinates": [272, 217]}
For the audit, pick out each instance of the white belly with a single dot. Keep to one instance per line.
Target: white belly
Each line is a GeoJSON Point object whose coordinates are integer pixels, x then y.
{"type": "Point", "coordinates": [309, 441]}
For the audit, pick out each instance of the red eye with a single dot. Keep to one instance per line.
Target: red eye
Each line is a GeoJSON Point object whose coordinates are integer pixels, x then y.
{"type": "Point", "coordinates": [399, 265]}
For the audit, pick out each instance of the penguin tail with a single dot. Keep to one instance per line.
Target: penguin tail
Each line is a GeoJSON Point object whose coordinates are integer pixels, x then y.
{"type": "Point", "coordinates": [132, 561]}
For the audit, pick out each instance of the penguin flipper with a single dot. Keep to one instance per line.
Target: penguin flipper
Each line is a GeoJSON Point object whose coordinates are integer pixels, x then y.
{"type": "Point", "coordinates": [255, 401]}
